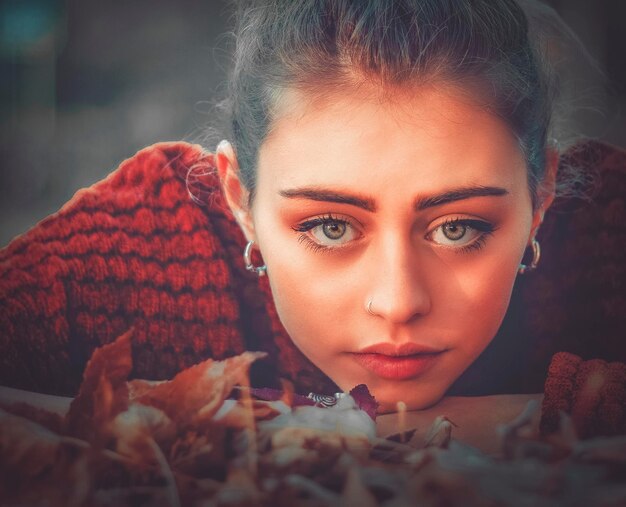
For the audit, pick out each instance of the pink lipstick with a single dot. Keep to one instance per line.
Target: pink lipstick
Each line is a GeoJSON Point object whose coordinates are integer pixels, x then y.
{"type": "Point", "coordinates": [397, 362]}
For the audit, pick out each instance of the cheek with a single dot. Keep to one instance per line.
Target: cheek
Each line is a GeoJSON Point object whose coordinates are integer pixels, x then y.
{"type": "Point", "coordinates": [490, 294]}
{"type": "Point", "coordinates": [312, 302]}
{"type": "Point", "coordinates": [483, 291]}
{"type": "Point", "coordinates": [310, 289]}
{"type": "Point", "coordinates": [303, 287]}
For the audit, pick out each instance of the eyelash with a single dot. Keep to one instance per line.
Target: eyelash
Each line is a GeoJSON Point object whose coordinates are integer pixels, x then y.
{"type": "Point", "coordinates": [481, 226]}
{"type": "Point", "coordinates": [485, 228]}
{"type": "Point", "coordinates": [306, 226]}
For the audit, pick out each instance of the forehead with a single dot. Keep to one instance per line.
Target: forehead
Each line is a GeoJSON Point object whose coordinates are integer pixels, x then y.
{"type": "Point", "coordinates": [366, 138]}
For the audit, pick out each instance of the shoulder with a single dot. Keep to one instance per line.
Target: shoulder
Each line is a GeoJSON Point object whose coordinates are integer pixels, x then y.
{"type": "Point", "coordinates": [144, 190]}
{"type": "Point", "coordinates": [132, 250]}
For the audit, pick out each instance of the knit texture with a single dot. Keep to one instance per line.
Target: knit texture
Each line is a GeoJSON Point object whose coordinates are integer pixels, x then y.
{"type": "Point", "coordinates": [593, 392]}
{"type": "Point", "coordinates": [137, 251]}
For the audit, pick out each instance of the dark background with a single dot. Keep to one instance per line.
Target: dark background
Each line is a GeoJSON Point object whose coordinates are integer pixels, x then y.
{"type": "Point", "coordinates": [84, 84]}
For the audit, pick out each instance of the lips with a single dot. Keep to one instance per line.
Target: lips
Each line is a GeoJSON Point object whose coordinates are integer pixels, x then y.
{"type": "Point", "coordinates": [398, 362]}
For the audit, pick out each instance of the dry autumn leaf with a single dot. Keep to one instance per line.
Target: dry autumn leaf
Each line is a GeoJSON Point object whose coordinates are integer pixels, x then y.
{"type": "Point", "coordinates": [199, 390]}
{"type": "Point", "coordinates": [103, 393]}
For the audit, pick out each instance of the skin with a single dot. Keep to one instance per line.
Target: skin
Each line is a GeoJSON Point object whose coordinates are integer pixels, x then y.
{"type": "Point", "coordinates": [427, 285]}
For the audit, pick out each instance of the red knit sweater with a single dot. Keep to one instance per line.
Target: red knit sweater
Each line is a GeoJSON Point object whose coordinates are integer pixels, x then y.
{"type": "Point", "coordinates": [135, 250]}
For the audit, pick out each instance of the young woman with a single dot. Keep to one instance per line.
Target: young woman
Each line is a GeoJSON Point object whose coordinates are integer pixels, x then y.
{"type": "Point", "coordinates": [388, 169]}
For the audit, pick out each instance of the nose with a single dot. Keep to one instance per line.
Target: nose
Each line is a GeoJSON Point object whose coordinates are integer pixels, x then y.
{"type": "Point", "coordinates": [399, 292]}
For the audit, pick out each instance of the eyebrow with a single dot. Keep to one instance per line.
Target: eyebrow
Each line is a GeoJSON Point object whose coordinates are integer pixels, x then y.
{"type": "Point", "coordinates": [368, 204]}
{"type": "Point", "coordinates": [320, 194]}
{"type": "Point", "coordinates": [458, 194]}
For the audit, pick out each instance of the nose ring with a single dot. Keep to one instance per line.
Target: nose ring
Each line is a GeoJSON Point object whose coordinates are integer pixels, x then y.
{"type": "Point", "coordinates": [369, 307]}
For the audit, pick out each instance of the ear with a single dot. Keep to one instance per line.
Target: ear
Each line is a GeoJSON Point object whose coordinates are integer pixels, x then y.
{"type": "Point", "coordinates": [546, 190]}
{"type": "Point", "coordinates": [235, 192]}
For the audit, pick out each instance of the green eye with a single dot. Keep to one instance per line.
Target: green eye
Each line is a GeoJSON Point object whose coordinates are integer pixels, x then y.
{"type": "Point", "coordinates": [327, 232]}
{"type": "Point", "coordinates": [334, 230]}
{"type": "Point", "coordinates": [454, 231]}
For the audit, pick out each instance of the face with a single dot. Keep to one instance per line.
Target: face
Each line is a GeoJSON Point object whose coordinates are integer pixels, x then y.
{"type": "Point", "coordinates": [392, 229]}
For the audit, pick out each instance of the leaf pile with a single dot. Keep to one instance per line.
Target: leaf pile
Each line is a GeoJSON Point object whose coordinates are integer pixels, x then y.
{"type": "Point", "coordinates": [184, 442]}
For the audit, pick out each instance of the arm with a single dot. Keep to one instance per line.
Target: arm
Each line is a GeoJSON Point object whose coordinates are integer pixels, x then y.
{"type": "Point", "coordinates": [593, 392]}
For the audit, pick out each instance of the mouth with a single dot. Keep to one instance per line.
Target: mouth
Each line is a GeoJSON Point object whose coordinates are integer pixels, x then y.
{"type": "Point", "coordinates": [398, 362]}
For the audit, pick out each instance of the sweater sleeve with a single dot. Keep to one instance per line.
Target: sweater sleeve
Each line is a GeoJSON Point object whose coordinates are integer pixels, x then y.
{"type": "Point", "coordinates": [592, 392]}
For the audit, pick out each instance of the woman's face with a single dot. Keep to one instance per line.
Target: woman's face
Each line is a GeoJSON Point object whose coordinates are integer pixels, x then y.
{"type": "Point", "coordinates": [416, 202]}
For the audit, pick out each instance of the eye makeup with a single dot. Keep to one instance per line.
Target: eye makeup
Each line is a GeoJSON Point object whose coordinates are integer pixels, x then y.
{"type": "Point", "coordinates": [323, 222]}
{"type": "Point", "coordinates": [483, 228]}
{"type": "Point", "coordinates": [334, 223]}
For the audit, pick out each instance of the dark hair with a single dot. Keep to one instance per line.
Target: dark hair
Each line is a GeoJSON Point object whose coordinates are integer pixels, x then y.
{"type": "Point", "coordinates": [315, 45]}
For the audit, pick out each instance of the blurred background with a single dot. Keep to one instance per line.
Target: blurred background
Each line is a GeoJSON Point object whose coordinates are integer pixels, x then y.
{"type": "Point", "coordinates": [85, 84]}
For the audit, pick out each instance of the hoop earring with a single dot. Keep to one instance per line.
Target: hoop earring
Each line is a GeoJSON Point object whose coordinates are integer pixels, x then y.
{"type": "Point", "coordinates": [247, 253]}
{"type": "Point", "coordinates": [523, 268]}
